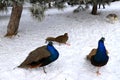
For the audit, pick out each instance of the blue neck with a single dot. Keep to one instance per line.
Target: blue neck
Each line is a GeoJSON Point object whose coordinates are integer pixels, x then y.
{"type": "Point", "coordinates": [54, 53]}
{"type": "Point", "coordinates": [101, 51]}
{"type": "Point", "coordinates": [101, 47]}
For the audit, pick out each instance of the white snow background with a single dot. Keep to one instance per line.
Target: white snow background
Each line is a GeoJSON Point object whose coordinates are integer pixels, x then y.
{"type": "Point", "coordinates": [84, 31]}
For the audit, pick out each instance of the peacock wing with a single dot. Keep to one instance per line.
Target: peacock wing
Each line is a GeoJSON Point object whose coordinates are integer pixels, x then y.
{"type": "Point", "coordinates": [35, 56]}
{"type": "Point", "coordinates": [93, 52]}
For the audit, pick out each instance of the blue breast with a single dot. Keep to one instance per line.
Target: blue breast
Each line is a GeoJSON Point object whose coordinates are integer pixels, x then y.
{"type": "Point", "coordinates": [53, 53]}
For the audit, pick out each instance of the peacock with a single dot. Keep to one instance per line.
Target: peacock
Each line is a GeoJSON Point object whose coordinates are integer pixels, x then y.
{"type": "Point", "coordinates": [41, 57]}
{"type": "Point", "coordinates": [99, 57]}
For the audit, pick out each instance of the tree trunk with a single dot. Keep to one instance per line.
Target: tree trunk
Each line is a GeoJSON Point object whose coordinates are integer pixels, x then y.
{"type": "Point", "coordinates": [13, 25]}
{"type": "Point", "coordinates": [94, 9]}
{"type": "Point", "coordinates": [102, 5]}
{"type": "Point", "coordinates": [49, 4]}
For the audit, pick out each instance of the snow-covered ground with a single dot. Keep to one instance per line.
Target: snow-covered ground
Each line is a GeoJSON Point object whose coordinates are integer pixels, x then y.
{"type": "Point", "coordinates": [84, 32]}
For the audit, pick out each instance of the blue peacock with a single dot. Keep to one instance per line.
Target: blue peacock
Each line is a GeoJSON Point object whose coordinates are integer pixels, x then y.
{"type": "Point", "coordinates": [41, 57]}
{"type": "Point", "coordinates": [99, 57]}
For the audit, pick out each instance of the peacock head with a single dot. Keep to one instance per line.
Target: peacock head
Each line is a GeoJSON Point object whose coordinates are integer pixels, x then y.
{"type": "Point", "coordinates": [102, 39]}
{"type": "Point", "coordinates": [101, 43]}
{"type": "Point", "coordinates": [50, 43]}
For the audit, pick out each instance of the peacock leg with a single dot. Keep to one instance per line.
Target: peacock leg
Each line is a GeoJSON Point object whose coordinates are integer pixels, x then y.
{"type": "Point", "coordinates": [67, 44]}
{"type": "Point", "coordinates": [44, 70]}
{"type": "Point", "coordinates": [98, 73]}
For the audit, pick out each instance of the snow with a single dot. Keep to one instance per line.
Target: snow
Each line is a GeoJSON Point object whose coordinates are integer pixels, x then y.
{"type": "Point", "coordinates": [84, 31]}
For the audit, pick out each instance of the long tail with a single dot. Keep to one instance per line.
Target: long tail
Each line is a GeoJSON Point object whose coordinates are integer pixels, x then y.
{"type": "Point", "coordinates": [32, 65]}
{"type": "Point", "coordinates": [50, 39]}
{"type": "Point", "coordinates": [23, 66]}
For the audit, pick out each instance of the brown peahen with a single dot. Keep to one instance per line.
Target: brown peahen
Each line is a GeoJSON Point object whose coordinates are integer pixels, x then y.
{"type": "Point", "coordinates": [62, 39]}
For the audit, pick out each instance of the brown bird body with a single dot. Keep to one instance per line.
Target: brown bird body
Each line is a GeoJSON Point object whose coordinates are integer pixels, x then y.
{"type": "Point", "coordinates": [60, 39]}
{"type": "Point", "coordinates": [34, 56]}
{"type": "Point", "coordinates": [112, 18]}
